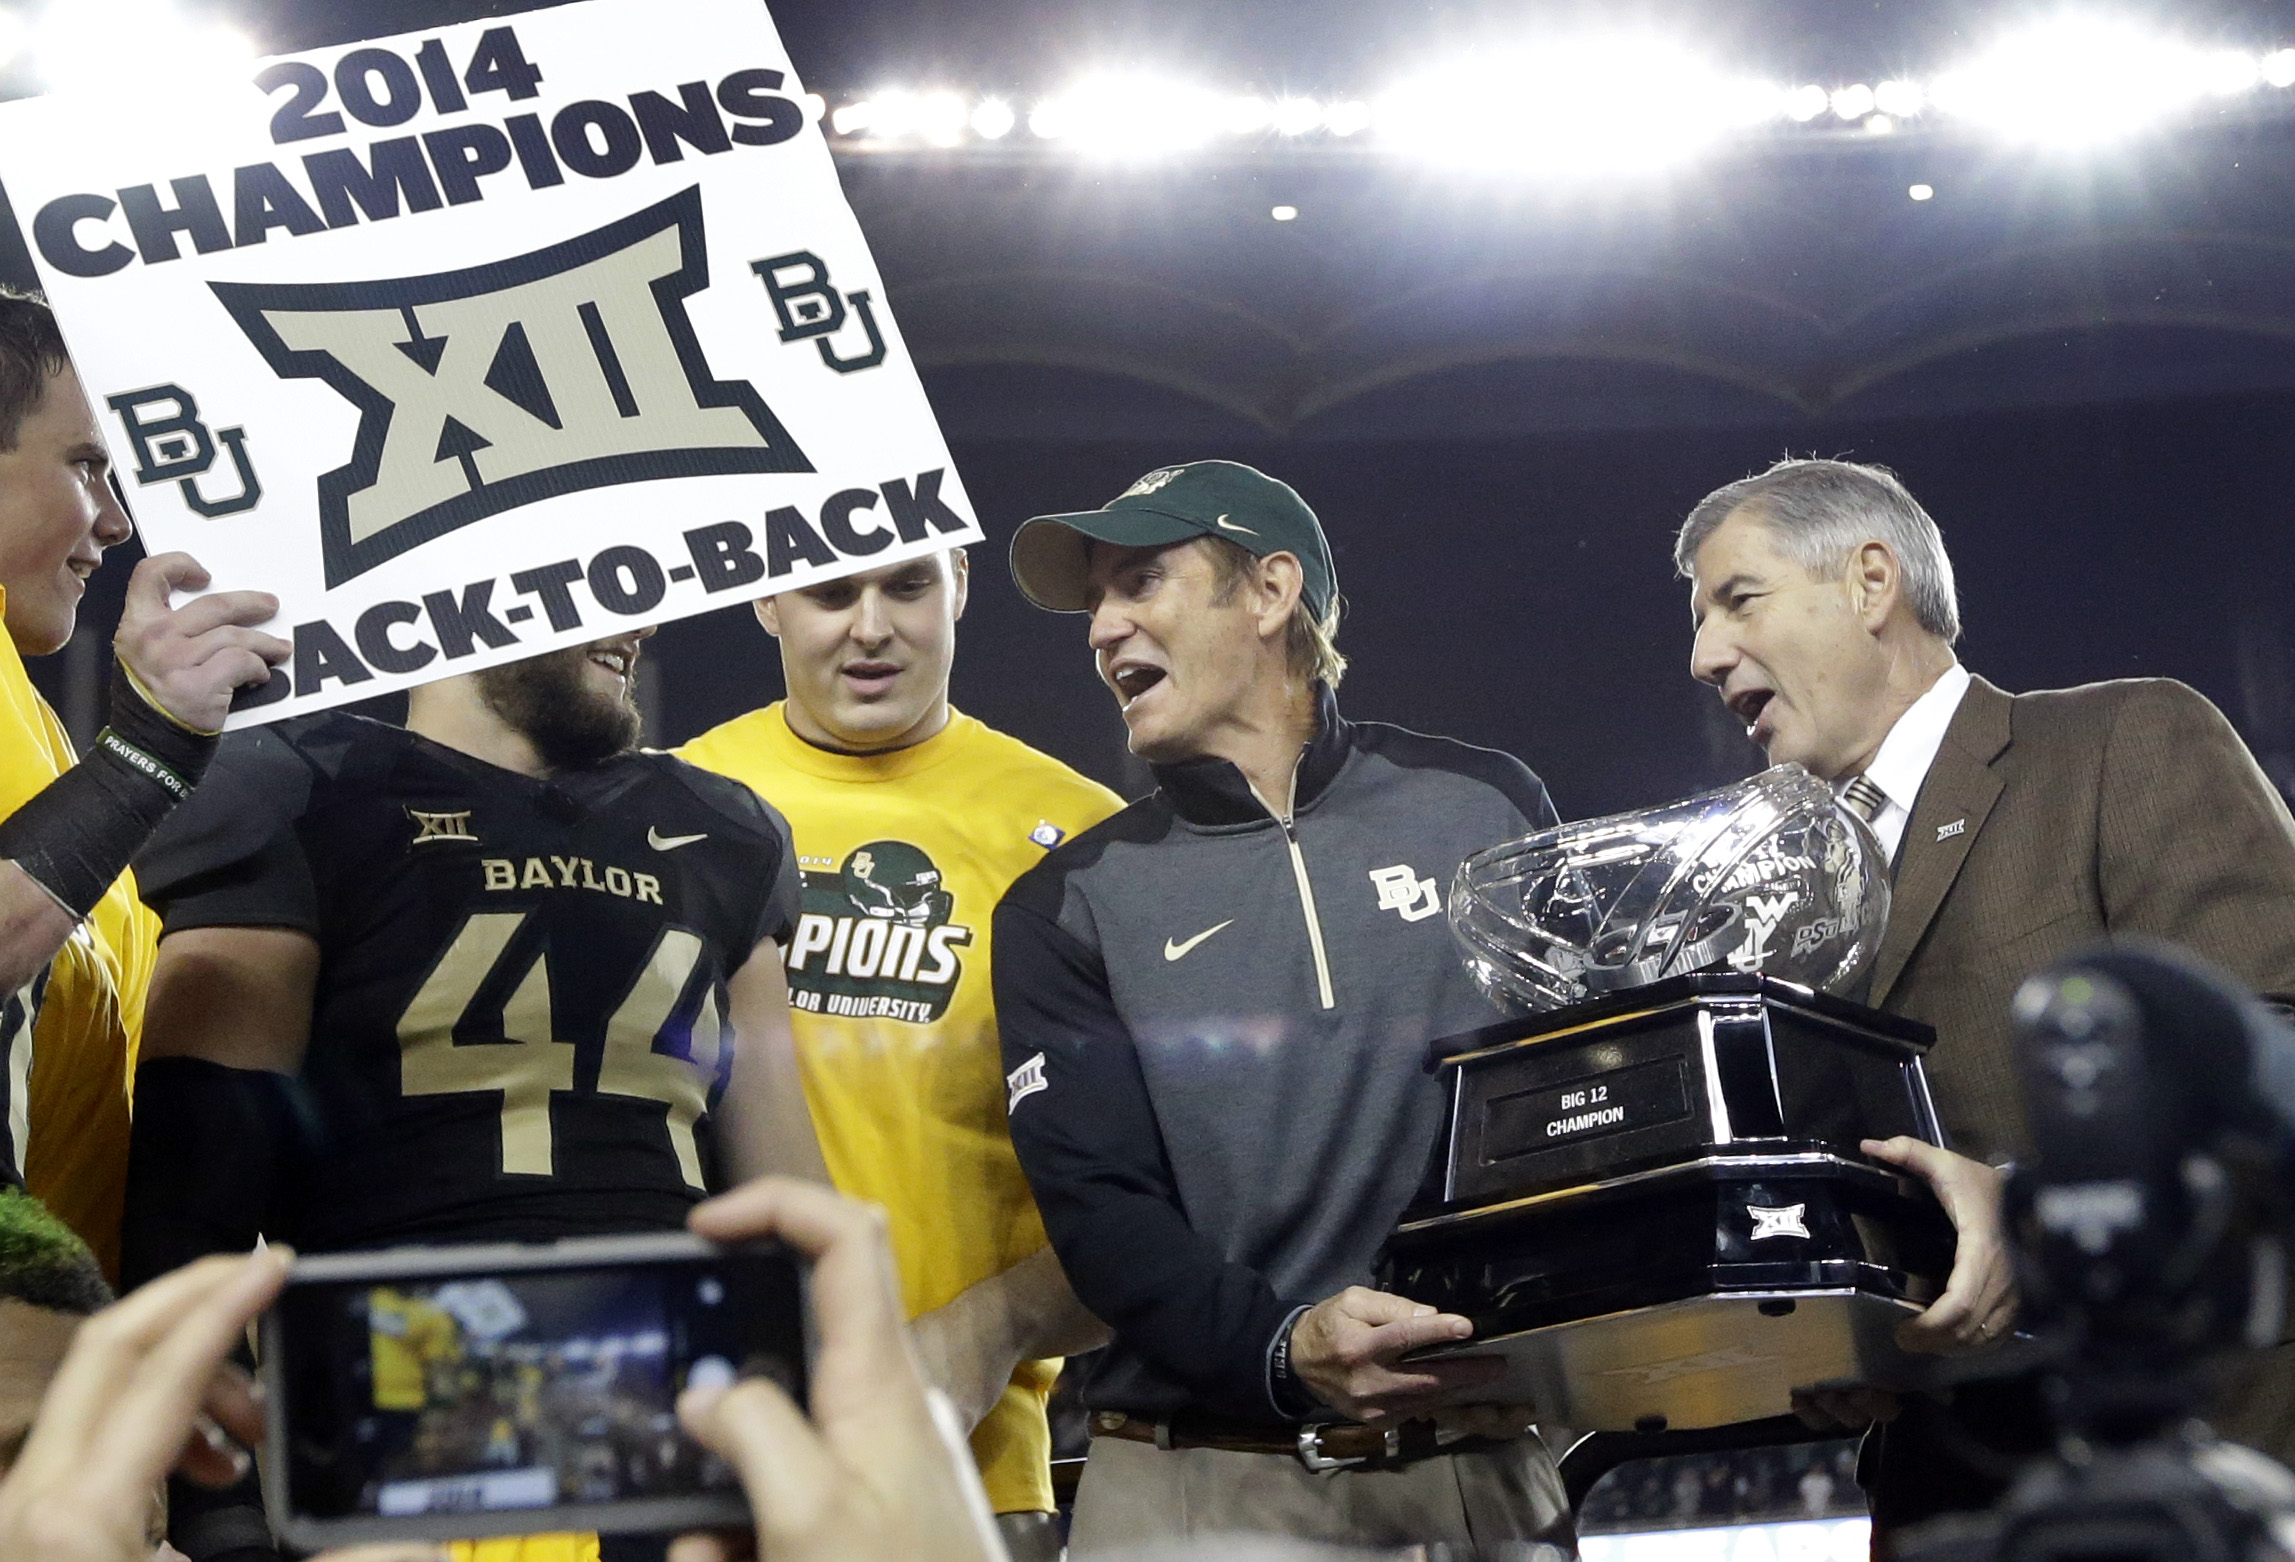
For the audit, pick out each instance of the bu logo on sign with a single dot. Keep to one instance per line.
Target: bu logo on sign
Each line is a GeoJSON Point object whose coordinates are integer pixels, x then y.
{"type": "Point", "coordinates": [177, 448]}
{"type": "Point", "coordinates": [810, 309]}
{"type": "Point", "coordinates": [569, 368]}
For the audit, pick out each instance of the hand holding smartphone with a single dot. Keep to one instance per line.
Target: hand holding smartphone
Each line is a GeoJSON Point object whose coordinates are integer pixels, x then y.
{"type": "Point", "coordinates": [435, 1393]}
{"type": "Point", "coordinates": [871, 1474]}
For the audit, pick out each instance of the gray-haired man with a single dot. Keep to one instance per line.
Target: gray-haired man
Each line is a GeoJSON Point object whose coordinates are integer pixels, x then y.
{"type": "Point", "coordinates": [2019, 827]}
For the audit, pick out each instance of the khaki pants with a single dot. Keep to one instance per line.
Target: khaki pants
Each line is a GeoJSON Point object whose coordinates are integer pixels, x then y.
{"type": "Point", "coordinates": [1135, 1492]}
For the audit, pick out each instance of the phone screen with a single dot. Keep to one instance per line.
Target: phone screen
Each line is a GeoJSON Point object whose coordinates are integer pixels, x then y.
{"type": "Point", "coordinates": [485, 1394]}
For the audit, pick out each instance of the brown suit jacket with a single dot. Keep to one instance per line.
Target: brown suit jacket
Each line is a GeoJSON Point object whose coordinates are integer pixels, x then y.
{"type": "Point", "coordinates": [2051, 820]}
{"type": "Point", "coordinates": [2048, 821]}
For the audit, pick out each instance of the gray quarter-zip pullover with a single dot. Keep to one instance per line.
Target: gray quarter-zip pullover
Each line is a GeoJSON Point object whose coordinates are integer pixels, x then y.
{"type": "Point", "coordinates": [1215, 1022]}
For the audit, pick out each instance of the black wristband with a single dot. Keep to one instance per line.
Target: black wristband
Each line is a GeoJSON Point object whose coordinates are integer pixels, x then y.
{"type": "Point", "coordinates": [206, 1157]}
{"type": "Point", "coordinates": [77, 833]}
{"type": "Point", "coordinates": [1292, 1398]}
{"type": "Point", "coordinates": [137, 721]}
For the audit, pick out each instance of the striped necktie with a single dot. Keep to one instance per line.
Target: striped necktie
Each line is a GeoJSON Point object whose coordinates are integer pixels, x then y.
{"type": "Point", "coordinates": [1865, 800]}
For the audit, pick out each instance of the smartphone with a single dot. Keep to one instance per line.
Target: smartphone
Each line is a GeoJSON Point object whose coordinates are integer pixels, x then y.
{"type": "Point", "coordinates": [447, 1393]}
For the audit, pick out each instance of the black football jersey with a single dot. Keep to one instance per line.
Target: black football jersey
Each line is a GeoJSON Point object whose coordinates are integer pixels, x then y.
{"type": "Point", "coordinates": [520, 1028]}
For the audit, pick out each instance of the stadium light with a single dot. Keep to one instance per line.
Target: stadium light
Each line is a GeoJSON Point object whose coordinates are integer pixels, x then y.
{"type": "Point", "coordinates": [1130, 116]}
{"type": "Point", "coordinates": [1590, 104]}
{"type": "Point", "coordinates": [104, 45]}
{"type": "Point", "coordinates": [1246, 116]}
{"type": "Point", "coordinates": [1803, 104]}
{"type": "Point", "coordinates": [941, 118]}
{"type": "Point", "coordinates": [1900, 99]}
{"type": "Point", "coordinates": [1297, 116]}
{"type": "Point", "coordinates": [1584, 106]}
{"type": "Point", "coordinates": [993, 119]}
{"type": "Point", "coordinates": [2081, 80]}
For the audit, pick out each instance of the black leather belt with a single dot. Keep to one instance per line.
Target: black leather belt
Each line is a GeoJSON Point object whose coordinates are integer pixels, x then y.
{"type": "Point", "coordinates": [1333, 1445]}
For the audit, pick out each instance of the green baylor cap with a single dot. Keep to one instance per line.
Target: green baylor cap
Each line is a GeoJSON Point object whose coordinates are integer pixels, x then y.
{"type": "Point", "coordinates": [1050, 554]}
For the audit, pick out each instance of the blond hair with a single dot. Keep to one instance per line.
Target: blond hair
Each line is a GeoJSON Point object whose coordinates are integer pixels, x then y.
{"type": "Point", "coordinates": [1310, 640]}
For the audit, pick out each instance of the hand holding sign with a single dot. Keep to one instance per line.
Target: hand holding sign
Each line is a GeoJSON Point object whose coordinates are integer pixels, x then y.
{"type": "Point", "coordinates": [191, 660]}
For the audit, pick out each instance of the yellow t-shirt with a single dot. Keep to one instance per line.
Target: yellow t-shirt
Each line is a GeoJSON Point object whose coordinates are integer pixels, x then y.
{"type": "Point", "coordinates": [527, 1548]}
{"type": "Point", "coordinates": [407, 1338]}
{"type": "Point", "coordinates": [90, 1017]}
{"type": "Point", "coordinates": [905, 856]}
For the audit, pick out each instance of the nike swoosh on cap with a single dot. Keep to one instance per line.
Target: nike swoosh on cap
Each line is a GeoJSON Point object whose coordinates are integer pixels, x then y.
{"type": "Point", "coordinates": [669, 843]}
{"type": "Point", "coordinates": [1172, 950]}
{"type": "Point", "coordinates": [1226, 525]}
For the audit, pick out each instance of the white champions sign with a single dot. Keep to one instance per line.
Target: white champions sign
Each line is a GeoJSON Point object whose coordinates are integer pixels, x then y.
{"type": "Point", "coordinates": [486, 340]}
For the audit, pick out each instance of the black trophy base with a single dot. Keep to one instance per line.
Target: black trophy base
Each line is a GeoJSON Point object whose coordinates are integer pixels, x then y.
{"type": "Point", "coordinates": [1654, 1206]}
{"type": "Point", "coordinates": [1714, 1360]}
{"type": "Point", "coordinates": [1694, 1296]}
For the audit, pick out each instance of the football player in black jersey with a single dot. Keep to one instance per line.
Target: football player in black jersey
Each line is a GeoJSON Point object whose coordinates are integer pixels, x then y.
{"type": "Point", "coordinates": [496, 975]}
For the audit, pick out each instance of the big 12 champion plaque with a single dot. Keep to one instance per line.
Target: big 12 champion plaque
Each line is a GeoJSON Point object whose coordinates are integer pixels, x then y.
{"type": "Point", "coordinates": [1648, 1195]}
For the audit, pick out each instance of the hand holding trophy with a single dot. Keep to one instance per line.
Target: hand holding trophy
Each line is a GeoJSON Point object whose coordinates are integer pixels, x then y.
{"type": "Point", "coordinates": [1651, 1198]}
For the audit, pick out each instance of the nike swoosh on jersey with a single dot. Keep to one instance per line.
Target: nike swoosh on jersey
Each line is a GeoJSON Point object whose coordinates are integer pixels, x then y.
{"type": "Point", "coordinates": [669, 843]}
{"type": "Point", "coordinates": [1226, 525]}
{"type": "Point", "coordinates": [1173, 950]}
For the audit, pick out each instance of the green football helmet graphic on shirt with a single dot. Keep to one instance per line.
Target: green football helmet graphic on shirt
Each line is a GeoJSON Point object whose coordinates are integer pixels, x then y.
{"type": "Point", "coordinates": [897, 882]}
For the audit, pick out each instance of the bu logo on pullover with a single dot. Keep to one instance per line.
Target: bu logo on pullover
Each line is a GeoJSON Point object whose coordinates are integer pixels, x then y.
{"type": "Point", "coordinates": [1404, 893]}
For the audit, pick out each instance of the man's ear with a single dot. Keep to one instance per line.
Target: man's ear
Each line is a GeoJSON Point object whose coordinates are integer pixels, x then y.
{"type": "Point", "coordinates": [1279, 582]}
{"type": "Point", "coordinates": [960, 564]}
{"type": "Point", "coordinates": [1876, 583]}
{"type": "Point", "coordinates": [768, 611]}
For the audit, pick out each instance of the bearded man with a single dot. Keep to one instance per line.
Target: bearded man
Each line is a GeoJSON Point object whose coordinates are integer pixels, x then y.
{"type": "Point", "coordinates": [493, 976]}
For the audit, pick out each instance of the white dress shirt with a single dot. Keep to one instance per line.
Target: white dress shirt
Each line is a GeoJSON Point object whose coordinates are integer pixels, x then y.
{"type": "Point", "coordinates": [1906, 753]}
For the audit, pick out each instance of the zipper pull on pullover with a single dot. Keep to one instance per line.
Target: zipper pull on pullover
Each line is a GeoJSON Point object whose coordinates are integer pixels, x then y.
{"type": "Point", "coordinates": [1306, 890]}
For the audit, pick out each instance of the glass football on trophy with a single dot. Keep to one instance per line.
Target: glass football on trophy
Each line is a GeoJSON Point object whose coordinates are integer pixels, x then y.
{"type": "Point", "coordinates": [1649, 1193]}
{"type": "Point", "coordinates": [1770, 875]}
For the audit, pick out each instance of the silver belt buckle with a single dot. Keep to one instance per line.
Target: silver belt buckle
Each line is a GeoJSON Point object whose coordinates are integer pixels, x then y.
{"type": "Point", "coordinates": [1311, 1455]}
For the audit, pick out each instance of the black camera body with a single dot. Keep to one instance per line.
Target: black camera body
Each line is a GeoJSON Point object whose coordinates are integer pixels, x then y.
{"type": "Point", "coordinates": [2147, 1229]}
{"type": "Point", "coordinates": [2182, 1496]}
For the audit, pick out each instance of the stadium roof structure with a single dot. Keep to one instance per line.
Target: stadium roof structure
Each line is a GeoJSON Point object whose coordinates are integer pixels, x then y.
{"type": "Point", "coordinates": [1400, 304]}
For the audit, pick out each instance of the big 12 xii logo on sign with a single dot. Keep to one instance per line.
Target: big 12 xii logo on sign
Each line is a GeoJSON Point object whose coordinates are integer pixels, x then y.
{"type": "Point", "coordinates": [532, 360]}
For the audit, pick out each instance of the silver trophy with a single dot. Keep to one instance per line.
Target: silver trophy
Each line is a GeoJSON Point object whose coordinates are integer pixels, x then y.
{"type": "Point", "coordinates": [1769, 875]}
{"type": "Point", "coordinates": [1648, 1194]}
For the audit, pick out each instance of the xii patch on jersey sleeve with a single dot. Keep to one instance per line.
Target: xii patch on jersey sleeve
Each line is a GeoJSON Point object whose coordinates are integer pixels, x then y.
{"type": "Point", "coordinates": [477, 343]}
